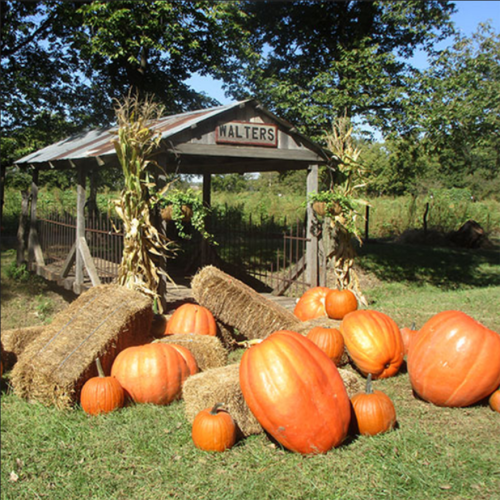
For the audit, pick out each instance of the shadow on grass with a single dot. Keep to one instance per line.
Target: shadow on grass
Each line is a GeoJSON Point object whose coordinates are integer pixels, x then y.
{"type": "Point", "coordinates": [439, 266]}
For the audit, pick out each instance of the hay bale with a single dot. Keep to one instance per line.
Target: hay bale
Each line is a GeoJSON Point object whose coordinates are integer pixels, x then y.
{"type": "Point", "coordinates": [220, 385]}
{"type": "Point", "coordinates": [99, 323]}
{"type": "Point", "coordinates": [208, 351]}
{"type": "Point", "coordinates": [239, 306]}
{"type": "Point", "coordinates": [352, 381]}
{"type": "Point", "coordinates": [15, 341]}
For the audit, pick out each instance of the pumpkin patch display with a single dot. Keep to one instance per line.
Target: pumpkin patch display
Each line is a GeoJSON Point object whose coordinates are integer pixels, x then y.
{"type": "Point", "coordinates": [101, 394]}
{"type": "Point", "coordinates": [338, 303]}
{"type": "Point", "coordinates": [296, 393]}
{"type": "Point", "coordinates": [494, 401]}
{"type": "Point", "coordinates": [188, 358]}
{"type": "Point", "coordinates": [374, 342]}
{"type": "Point", "coordinates": [151, 373]}
{"type": "Point", "coordinates": [374, 411]}
{"type": "Point", "coordinates": [213, 429]}
{"type": "Point", "coordinates": [330, 341]}
{"type": "Point", "coordinates": [454, 360]}
{"type": "Point", "coordinates": [312, 303]}
{"type": "Point", "coordinates": [191, 318]}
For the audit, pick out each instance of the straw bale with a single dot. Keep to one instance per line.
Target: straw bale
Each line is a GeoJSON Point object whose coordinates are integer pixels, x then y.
{"type": "Point", "coordinates": [15, 341]}
{"type": "Point", "coordinates": [99, 323]}
{"type": "Point", "coordinates": [352, 381]}
{"type": "Point", "coordinates": [237, 305]}
{"type": "Point", "coordinates": [220, 385]}
{"type": "Point", "coordinates": [207, 350]}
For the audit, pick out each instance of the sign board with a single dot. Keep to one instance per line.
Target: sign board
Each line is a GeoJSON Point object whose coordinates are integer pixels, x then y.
{"type": "Point", "coordinates": [254, 134]}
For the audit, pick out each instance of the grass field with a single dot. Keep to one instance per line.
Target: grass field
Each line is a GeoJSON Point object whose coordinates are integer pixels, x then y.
{"type": "Point", "coordinates": [146, 452]}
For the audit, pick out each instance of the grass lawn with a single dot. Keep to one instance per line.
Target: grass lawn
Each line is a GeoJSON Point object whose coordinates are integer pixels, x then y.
{"type": "Point", "coordinates": [146, 452]}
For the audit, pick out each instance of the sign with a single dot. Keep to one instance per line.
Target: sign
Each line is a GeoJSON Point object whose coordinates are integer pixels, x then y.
{"type": "Point", "coordinates": [254, 134]}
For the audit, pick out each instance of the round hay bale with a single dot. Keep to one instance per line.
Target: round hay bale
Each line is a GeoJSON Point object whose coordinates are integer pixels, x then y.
{"type": "Point", "coordinates": [15, 341]}
{"type": "Point", "coordinates": [220, 385]}
{"type": "Point", "coordinates": [207, 350]}
{"type": "Point", "coordinates": [239, 306]}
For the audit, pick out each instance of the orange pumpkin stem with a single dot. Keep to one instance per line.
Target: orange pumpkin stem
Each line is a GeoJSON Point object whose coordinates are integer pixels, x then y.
{"type": "Point", "coordinates": [213, 411]}
{"type": "Point", "coordinates": [369, 389]}
{"type": "Point", "coordinates": [100, 371]}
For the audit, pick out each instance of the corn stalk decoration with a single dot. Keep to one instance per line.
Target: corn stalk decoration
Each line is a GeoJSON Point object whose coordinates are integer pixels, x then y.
{"type": "Point", "coordinates": [144, 247]}
{"type": "Point", "coordinates": [348, 177]}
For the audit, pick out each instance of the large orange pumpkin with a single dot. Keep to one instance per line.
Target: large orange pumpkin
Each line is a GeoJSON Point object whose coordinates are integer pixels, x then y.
{"type": "Point", "coordinates": [191, 318]}
{"type": "Point", "coordinates": [338, 303]}
{"type": "Point", "coordinates": [151, 373]}
{"type": "Point", "coordinates": [296, 393]}
{"type": "Point", "coordinates": [454, 360]}
{"type": "Point", "coordinates": [188, 358]}
{"type": "Point", "coordinates": [312, 303]}
{"type": "Point", "coordinates": [330, 341]}
{"type": "Point", "coordinates": [408, 334]}
{"type": "Point", "coordinates": [374, 342]}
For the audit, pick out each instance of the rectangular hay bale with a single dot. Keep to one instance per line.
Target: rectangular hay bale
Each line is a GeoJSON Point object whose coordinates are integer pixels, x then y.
{"type": "Point", "coordinates": [219, 385]}
{"type": "Point", "coordinates": [99, 323]}
{"type": "Point", "coordinates": [15, 341]}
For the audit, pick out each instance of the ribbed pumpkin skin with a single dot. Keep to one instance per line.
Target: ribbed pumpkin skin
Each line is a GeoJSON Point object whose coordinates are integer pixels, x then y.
{"type": "Point", "coordinates": [374, 342]}
{"type": "Point", "coordinates": [101, 395]}
{"type": "Point", "coordinates": [192, 318]}
{"type": "Point", "coordinates": [375, 412]}
{"type": "Point", "coordinates": [338, 303]}
{"type": "Point", "coordinates": [312, 303]}
{"type": "Point", "coordinates": [188, 358]}
{"type": "Point", "coordinates": [213, 432]}
{"type": "Point", "coordinates": [454, 360]}
{"type": "Point", "coordinates": [407, 335]}
{"type": "Point", "coordinates": [151, 373]}
{"type": "Point", "coordinates": [494, 401]}
{"type": "Point", "coordinates": [296, 393]}
{"type": "Point", "coordinates": [329, 340]}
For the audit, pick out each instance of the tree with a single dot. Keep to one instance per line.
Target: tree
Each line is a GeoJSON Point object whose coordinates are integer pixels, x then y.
{"type": "Point", "coordinates": [314, 60]}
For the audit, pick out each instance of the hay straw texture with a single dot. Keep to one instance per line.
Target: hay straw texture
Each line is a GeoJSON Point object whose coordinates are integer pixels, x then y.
{"type": "Point", "coordinates": [15, 341]}
{"type": "Point", "coordinates": [352, 381]}
{"type": "Point", "coordinates": [208, 351]}
{"type": "Point", "coordinates": [220, 385]}
{"type": "Point", "coordinates": [239, 306]}
{"type": "Point", "coordinates": [99, 323]}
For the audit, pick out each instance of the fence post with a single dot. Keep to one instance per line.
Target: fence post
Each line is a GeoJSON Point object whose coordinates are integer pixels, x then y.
{"type": "Point", "coordinates": [312, 239]}
{"type": "Point", "coordinates": [367, 222]}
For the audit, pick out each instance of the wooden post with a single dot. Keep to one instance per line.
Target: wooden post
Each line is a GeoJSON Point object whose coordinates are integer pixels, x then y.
{"type": "Point", "coordinates": [22, 228]}
{"type": "Point", "coordinates": [312, 243]}
{"type": "Point", "coordinates": [367, 223]}
{"type": "Point", "coordinates": [207, 200]}
{"type": "Point", "coordinates": [80, 229]}
{"type": "Point", "coordinates": [35, 254]}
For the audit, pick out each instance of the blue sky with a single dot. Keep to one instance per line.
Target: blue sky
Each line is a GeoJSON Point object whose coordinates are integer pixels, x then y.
{"type": "Point", "coordinates": [468, 16]}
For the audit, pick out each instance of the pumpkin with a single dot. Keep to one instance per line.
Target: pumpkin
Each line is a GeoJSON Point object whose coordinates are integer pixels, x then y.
{"type": "Point", "coordinates": [213, 429]}
{"type": "Point", "coordinates": [338, 303]}
{"type": "Point", "coordinates": [151, 373]}
{"type": "Point", "coordinates": [408, 334]}
{"type": "Point", "coordinates": [192, 318]}
{"type": "Point", "coordinates": [188, 358]}
{"type": "Point", "coordinates": [373, 342]}
{"type": "Point", "coordinates": [454, 360]}
{"type": "Point", "coordinates": [329, 340]}
{"type": "Point", "coordinates": [311, 304]}
{"type": "Point", "coordinates": [101, 394]}
{"type": "Point", "coordinates": [494, 401]}
{"type": "Point", "coordinates": [373, 410]}
{"type": "Point", "coordinates": [295, 392]}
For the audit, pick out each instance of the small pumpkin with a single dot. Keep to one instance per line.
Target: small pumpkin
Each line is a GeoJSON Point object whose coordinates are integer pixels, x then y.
{"type": "Point", "coordinates": [311, 304]}
{"type": "Point", "coordinates": [330, 341]}
{"type": "Point", "coordinates": [151, 373]}
{"type": "Point", "coordinates": [338, 303]}
{"type": "Point", "coordinates": [192, 318]}
{"type": "Point", "coordinates": [101, 394]}
{"type": "Point", "coordinates": [408, 334]}
{"type": "Point", "coordinates": [295, 392]}
{"type": "Point", "coordinates": [494, 401]}
{"type": "Point", "coordinates": [374, 411]}
{"type": "Point", "coordinates": [374, 342]}
{"type": "Point", "coordinates": [454, 360]}
{"type": "Point", "coordinates": [214, 429]}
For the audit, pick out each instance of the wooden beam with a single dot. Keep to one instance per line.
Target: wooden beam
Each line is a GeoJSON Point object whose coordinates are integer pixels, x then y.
{"type": "Point", "coordinates": [83, 248]}
{"type": "Point", "coordinates": [207, 192]}
{"type": "Point", "coordinates": [35, 253]}
{"type": "Point", "coordinates": [312, 237]}
{"type": "Point", "coordinates": [69, 261]}
{"type": "Point", "coordinates": [80, 229]}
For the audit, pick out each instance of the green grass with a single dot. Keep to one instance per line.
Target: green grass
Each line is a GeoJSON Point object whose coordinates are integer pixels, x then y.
{"type": "Point", "coordinates": [146, 452]}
